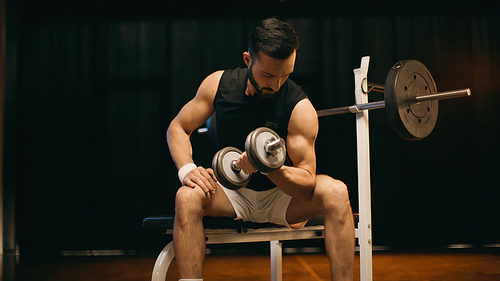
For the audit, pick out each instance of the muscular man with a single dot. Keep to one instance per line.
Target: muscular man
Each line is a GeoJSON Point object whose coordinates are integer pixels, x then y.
{"type": "Point", "coordinates": [245, 99]}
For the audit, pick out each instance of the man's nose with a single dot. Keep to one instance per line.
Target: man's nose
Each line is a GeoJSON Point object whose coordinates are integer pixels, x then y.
{"type": "Point", "coordinates": [276, 84]}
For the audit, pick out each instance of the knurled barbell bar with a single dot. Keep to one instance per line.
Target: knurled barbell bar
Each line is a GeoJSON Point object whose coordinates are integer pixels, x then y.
{"type": "Point", "coordinates": [410, 99]}
{"type": "Point", "coordinates": [265, 150]}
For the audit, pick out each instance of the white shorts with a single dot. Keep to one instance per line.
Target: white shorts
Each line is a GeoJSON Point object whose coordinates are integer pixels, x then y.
{"type": "Point", "coordinates": [259, 206]}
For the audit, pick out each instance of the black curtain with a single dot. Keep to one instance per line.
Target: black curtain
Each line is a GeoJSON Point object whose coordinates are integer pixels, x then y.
{"type": "Point", "coordinates": [94, 99]}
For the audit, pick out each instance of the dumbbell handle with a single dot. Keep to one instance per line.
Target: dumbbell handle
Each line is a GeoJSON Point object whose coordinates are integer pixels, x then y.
{"type": "Point", "coordinates": [274, 145]}
{"type": "Point", "coordinates": [235, 167]}
{"type": "Point", "coordinates": [270, 147]}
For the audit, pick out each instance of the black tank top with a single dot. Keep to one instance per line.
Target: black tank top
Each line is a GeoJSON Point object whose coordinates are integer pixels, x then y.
{"type": "Point", "coordinates": [237, 114]}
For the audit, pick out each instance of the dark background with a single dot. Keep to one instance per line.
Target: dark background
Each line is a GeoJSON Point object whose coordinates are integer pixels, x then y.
{"type": "Point", "coordinates": [96, 84]}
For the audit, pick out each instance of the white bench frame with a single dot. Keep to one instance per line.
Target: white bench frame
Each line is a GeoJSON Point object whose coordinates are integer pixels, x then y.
{"type": "Point", "coordinates": [278, 234]}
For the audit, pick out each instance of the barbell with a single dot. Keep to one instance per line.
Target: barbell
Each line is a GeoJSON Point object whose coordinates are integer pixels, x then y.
{"type": "Point", "coordinates": [266, 153]}
{"type": "Point", "coordinates": [410, 100]}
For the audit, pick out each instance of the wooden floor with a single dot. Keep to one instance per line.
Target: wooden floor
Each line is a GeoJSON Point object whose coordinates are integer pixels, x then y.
{"type": "Point", "coordinates": [466, 265]}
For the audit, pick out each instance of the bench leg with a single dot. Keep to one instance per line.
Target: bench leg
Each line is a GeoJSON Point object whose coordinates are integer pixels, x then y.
{"type": "Point", "coordinates": [276, 262]}
{"type": "Point", "coordinates": [163, 263]}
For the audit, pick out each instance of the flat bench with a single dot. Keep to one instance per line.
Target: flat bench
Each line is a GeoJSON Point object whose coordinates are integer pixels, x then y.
{"type": "Point", "coordinates": [227, 230]}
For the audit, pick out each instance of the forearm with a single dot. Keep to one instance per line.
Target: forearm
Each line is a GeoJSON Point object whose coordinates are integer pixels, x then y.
{"type": "Point", "coordinates": [179, 145]}
{"type": "Point", "coordinates": [294, 181]}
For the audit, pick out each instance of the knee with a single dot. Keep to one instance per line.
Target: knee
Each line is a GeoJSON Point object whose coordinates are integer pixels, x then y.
{"type": "Point", "coordinates": [333, 192]}
{"type": "Point", "coordinates": [188, 202]}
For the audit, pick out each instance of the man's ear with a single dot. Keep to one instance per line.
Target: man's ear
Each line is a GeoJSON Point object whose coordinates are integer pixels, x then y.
{"type": "Point", "coordinates": [247, 58]}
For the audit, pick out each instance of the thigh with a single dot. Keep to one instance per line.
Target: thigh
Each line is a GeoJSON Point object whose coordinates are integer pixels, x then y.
{"type": "Point", "coordinates": [300, 211]}
{"type": "Point", "coordinates": [218, 205]}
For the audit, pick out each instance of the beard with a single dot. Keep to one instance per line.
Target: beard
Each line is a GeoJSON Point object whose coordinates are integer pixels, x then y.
{"type": "Point", "coordinates": [257, 87]}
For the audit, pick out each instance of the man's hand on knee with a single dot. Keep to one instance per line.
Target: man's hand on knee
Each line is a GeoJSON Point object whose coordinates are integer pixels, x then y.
{"type": "Point", "coordinates": [203, 178]}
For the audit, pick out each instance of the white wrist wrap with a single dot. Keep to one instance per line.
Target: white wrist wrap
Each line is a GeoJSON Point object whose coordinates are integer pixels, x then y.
{"type": "Point", "coordinates": [185, 170]}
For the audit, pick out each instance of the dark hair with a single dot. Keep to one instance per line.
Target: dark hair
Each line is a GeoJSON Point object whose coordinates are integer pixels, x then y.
{"type": "Point", "coordinates": [275, 38]}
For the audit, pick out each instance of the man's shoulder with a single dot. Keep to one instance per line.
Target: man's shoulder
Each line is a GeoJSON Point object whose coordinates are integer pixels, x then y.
{"type": "Point", "coordinates": [213, 79]}
{"type": "Point", "coordinates": [209, 85]}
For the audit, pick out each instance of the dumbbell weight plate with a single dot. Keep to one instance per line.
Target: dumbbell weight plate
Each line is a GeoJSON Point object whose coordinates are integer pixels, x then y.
{"type": "Point", "coordinates": [406, 80]}
{"type": "Point", "coordinates": [222, 166]}
{"type": "Point", "coordinates": [255, 147]}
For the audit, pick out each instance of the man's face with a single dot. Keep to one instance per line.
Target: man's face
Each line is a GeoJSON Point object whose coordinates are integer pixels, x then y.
{"type": "Point", "coordinates": [267, 74]}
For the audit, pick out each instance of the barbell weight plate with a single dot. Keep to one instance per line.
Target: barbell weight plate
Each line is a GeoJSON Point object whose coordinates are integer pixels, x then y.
{"type": "Point", "coordinates": [255, 146]}
{"type": "Point", "coordinates": [222, 166]}
{"type": "Point", "coordinates": [410, 119]}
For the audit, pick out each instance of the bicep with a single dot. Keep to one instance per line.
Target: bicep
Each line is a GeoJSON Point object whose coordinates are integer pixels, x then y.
{"type": "Point", "coordinates": [193, 115]}
{"type": "Point", "coordinates": [198, 110]}
{"type": "Point", "coordinates": [302, 133]}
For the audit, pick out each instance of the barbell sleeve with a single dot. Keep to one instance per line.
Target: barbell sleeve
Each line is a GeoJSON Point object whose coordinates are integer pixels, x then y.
{"type": "Point", "coordinates": [444, 95]}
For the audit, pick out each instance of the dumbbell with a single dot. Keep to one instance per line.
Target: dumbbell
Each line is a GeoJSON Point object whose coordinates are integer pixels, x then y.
{"type": "Point", "coordinates": [265, 150]}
